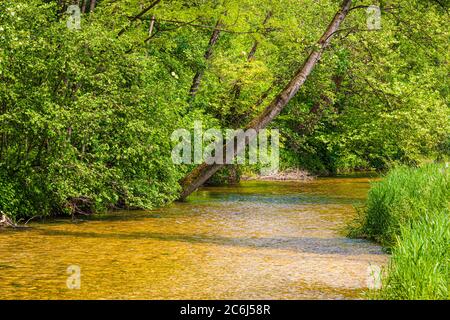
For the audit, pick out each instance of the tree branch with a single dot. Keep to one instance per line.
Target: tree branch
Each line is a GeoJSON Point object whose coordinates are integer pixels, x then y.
{"type": "Point", "coordinates": [204, 171]}
{"type": "Point", "coordinates": [139, 15]}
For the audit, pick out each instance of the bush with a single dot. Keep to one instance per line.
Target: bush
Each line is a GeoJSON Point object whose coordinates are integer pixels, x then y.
{"type": "Point", "coordinates": [83, 127]}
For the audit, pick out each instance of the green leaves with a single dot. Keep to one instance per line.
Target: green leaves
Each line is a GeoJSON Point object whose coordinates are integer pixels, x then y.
{"type": "Point", "coordinates": [88, 114]}
{"type": "Point", "coordinates": [80, 118]}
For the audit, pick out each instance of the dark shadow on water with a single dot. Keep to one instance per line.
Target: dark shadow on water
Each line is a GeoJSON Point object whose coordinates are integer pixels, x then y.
{"type": "Point", "coordinates": [131, 215]}
{"type": "Point", "coordinates": [294, 199]}
{"type": "Point", "coordinates": [125, 215]}
{"type": "Point", "coordinates": [340, 246]}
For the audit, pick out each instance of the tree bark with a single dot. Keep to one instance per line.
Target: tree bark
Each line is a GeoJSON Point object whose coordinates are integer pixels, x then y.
{"type": "Point", "coordinates": [152, 25]}
{"type": "Point", "coordinates": [93, 3]}
{"type": "Point", "coordinates": [204, 171]}
{"type": "Point", "coordinates": [140, 14]}
{"type": "Point", "coordinates": [83, 6]}
{"type": "Point", "coordinates": [198, 76]}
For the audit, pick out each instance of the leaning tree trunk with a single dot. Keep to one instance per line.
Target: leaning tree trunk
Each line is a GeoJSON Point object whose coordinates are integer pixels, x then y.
{"type": "Point", "coordinates": [204, 171]}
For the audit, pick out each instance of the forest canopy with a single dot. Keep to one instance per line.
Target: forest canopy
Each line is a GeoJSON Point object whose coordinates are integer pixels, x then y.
{"type": "Point", "coordinates": [86, 113]}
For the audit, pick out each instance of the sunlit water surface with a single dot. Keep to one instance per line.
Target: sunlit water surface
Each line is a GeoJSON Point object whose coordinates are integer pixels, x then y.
{"type": "Point", "coordinates": [258, 240]}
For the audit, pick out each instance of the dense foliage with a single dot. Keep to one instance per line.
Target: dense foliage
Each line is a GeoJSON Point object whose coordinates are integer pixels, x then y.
{"type": "Point", "coordinates": [409, 213]}
{"type": "Point", "coordinates": [420, 264]}
{"type": "Point", "coordinates": [86, 115]}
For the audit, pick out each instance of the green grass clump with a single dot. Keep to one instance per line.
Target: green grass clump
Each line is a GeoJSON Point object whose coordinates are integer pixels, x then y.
{"type": "Point", "coordinates": [403, 196]}
{"type": "Point", "coordinates": [419, 266]}
{"type": "Point", "coordinates": [408, 213]}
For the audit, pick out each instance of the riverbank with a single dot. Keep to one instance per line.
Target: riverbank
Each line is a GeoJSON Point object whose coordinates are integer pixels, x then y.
{"type": "Point", "coordinates": [408, 213]}
{"type": "Point", "coordinates": [286, 175]}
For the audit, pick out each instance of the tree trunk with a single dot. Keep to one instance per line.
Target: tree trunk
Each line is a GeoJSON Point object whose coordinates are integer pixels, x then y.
{"type": "Point", "coordinates": [233, 119]}
{"type": "Point", "coordinates": [318, 108]}
{"type": "Point", "coordinates": [152, 25]}
{"type": "Point", "coordinates": [151, 30]}
{"type": "Point", "coordinates": [204, 171]}
{"type": "Point", "coordinates": [314, 115]}
{"type": "Point", "coordinates": [93, 3]}
{"type": "Point", "coordinates": [83, 7]}
{"type": "Point", "coordinates": [140, 14]}
{"type": "Point", "coordinates": [236, 90]}
{"type": "Point", "coordinates": [198, 76]}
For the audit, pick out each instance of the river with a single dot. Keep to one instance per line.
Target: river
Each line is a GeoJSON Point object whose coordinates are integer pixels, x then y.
{"type": "Point", "coordinates": [257, 240]}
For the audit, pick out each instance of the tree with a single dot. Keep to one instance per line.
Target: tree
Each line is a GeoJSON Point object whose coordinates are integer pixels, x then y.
{"type": "Point", "coordinates": [203, 172]}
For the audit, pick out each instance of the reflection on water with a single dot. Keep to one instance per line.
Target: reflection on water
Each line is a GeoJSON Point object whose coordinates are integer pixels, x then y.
{"type": "Point", "coordinates": [258, 240]}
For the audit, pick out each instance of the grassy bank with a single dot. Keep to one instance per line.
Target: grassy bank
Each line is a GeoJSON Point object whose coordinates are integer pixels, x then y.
{"type": "Point", "coordinates": [408, 213]}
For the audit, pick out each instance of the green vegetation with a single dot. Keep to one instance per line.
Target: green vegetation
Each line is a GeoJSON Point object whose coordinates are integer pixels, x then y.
{"type": "Point", "coordinates": [408, 212]}
{"type": "Point", "coordinates": [86, 115]}
{"type": "Point", "coordinates": [420, 263]}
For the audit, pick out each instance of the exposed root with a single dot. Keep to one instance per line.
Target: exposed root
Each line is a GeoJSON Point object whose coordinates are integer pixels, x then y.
{"type": "Point", "coordinates": [7, 222]}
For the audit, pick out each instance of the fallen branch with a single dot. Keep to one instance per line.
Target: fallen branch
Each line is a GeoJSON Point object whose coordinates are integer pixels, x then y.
{"type": "Point", "coordinates": [7, 222]}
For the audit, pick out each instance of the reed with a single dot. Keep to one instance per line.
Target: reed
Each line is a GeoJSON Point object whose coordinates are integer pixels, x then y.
{"type": "Point", "coordinates": [408, 213]}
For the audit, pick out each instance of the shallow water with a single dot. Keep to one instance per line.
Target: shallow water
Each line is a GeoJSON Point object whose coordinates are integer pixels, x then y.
{"type": "Point", "coordinates": [258, 240]}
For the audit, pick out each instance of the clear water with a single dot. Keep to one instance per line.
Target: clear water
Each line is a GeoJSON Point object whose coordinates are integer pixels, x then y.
{"type": "Point", "coordinates": [258, 240]}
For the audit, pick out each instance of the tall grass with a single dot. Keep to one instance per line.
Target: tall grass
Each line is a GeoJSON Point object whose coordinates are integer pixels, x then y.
{"type": "Point", "coordinates": [408, 213]}
{"type": "Point", "coordinates": [419, 266]}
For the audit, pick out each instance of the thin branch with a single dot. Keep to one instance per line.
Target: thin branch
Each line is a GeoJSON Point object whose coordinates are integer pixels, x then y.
{"type": "Point", "coordinates": [210, 27]}
{"type": "Point", "coordinates": [138, 16]}
{"type": "Point", "coordinates": [152, 24]}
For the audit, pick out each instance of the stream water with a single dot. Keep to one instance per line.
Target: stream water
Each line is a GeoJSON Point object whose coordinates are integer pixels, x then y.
{"type": "Point", "coordinates": [257, 240]}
